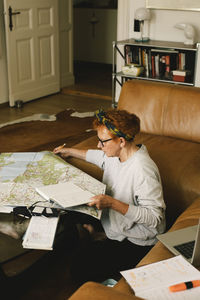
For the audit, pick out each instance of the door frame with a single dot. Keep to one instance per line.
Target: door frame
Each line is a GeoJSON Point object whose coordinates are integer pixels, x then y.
{"type": "Point", "coordinates": [123, 25]}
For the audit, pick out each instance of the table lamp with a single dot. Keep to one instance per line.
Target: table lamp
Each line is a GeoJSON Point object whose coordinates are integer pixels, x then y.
{"type": "Point", "coordinates": [143, 16]}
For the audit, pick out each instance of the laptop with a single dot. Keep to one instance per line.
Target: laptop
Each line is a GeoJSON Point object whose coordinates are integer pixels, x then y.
{"type": "Point", "coordinates": [185, 242]}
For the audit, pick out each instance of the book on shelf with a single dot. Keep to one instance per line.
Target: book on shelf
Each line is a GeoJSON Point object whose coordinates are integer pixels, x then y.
{"type": "Point", "coordinates": [131, 55]}
{"type": "Point", "coordinates": [159, 62]}
{"type": "Point", "coordinates": [153, 72]}
{"type": "Point", "coordinates": [181, 60]}
{"type": "Point", "coordinates": [181, 72]}
{"type": "Point", "coordinates": [133, 70]}
{"type": "Point", "coordinates": [40, 233]}
{"type": "Point", "coordinates": [162, 50]}
{"type": "Point", "coordinates": [157, 72]}
{"type": "Point", "coordinates": [179, 78]}
{"type": "Point", "coordinates": [167, 64]}
{"type": "Point", "coordinates": [128, 53]}
{"type": "Point", "coordinates": [152, 282]}
{"type": "Point", "coordinates": [149, 62]}
{"type": "Point", "coordinates": [181, 75]}
{"type": "Point", "coordinates": [164, 61]}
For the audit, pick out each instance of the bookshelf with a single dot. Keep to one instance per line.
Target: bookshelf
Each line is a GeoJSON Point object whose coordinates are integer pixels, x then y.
{"type": "Point", "coordinates": [164, 61]}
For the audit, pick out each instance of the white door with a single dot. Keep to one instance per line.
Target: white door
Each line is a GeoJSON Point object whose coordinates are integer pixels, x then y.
{"type": "Point", "coordinates": [32, 48]}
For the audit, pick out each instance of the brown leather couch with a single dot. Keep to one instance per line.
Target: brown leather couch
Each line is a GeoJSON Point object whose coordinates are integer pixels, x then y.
{"type": "Point", "coordinates": [170, 128]}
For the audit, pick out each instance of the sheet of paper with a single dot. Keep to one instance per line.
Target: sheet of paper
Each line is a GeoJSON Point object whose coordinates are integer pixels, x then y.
{"type": "Point", "coordinates": [6, 209]}
{"type": "Point", "coordinates": [66, 194]}
{"type": "Point", "coordinates": [40, 233]}
{"type": "Point", "coordinates": [151, 282]}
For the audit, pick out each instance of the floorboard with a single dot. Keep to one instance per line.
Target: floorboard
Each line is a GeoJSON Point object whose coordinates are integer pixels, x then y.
{"type": "Point", "coordinates": [92, 90]}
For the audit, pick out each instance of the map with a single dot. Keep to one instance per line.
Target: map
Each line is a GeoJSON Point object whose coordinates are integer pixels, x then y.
{"type": "Point", "coordinates": [22, 172]}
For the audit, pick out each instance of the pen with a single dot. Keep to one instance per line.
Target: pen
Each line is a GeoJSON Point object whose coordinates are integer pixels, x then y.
{"type": "Point", "coordinates": [184, 286]}
{"type": "Point", "coordinates": [62, 146]}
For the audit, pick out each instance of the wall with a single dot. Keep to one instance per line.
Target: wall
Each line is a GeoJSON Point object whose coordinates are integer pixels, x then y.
{"type": "Point", "coordinates": [65, 42]}
{"type": "Point", "coordinates": [161, 25]}
{"type": "Point", "coordinates": [163, 21]}
{"type": "Point", "coordinates": [94, 44]}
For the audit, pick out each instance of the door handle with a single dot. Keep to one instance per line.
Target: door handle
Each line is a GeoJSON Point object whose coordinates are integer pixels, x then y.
{"type": "Point", "coordinates": [11, 13]}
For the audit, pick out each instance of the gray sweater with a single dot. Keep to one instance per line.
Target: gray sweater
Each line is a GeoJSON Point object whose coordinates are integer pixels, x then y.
{"type": "Point", "coordinates": [136, 182]}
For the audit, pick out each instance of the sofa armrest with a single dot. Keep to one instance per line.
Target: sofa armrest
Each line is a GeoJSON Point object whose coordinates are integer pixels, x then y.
{"type": "Point", "coordinates": [189, 217]}
{"type": "Point", "coordinates": [159, 252]}
{"type": "Point", "coordinates": [92, 290]}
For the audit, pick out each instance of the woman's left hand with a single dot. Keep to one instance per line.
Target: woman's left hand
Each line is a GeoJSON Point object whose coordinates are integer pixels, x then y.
{"type": "Point", "coordinates": [101, 201]}
{"type": "Point", "coordinates": [105, 201]}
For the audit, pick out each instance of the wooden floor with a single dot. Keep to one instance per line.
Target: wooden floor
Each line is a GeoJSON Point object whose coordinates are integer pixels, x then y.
{"type": "Point", "coordinates": [49, 278]}
{"type": "Point", "coordinates": [92, 90]}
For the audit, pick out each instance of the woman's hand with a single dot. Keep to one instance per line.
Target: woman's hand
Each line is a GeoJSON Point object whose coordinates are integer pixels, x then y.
{"type": "Point", "coordinates": [64, 152]}
{"type": "Point", "coordinates": [101, 201]}
{"type": "Point", "coordinates": [105, 201]}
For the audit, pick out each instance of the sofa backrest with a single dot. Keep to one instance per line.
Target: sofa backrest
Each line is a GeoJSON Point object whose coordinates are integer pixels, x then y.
{"type": "Point", "coordinates": [164, 109]}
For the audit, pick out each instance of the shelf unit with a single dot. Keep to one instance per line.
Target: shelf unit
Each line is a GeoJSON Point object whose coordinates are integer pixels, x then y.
{"type": "Point", "coordinates": [137, 50]}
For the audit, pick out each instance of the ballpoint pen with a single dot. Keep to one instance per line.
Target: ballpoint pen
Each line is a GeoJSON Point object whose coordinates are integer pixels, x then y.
{"type": "Point", "coordinates": [184, 286]}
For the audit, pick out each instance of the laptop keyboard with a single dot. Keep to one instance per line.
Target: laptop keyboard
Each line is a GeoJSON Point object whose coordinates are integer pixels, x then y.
{"type": "Point", "coordinates": [186, 249]}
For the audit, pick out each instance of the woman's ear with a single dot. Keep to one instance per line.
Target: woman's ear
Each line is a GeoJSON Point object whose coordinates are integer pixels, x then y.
{"type": "Point", "coordinates": [122, 142]}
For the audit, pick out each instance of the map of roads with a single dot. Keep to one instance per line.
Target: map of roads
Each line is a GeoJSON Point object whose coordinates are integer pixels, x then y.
{"type": "Point", "coordinates": [21, 172]}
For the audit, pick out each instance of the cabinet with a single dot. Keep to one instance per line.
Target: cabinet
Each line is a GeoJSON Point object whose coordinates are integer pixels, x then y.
{"type": "Point", "coordinates": [171, 62]}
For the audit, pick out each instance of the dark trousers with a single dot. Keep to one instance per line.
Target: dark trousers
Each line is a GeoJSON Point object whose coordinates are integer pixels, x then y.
{"type": "Point", "coordinates": [103, 259]}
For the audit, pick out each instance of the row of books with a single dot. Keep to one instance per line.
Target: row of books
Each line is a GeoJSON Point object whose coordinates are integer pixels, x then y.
{"type": "Point", "coordinates": [157, 63]}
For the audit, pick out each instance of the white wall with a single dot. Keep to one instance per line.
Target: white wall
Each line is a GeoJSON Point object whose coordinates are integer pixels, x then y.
{"type": "Point", "coordinates": [161, 26]}
{"type": "Point", "coordinates": [163, 21]}
{"type": "Point", "coordinates": [94, 46]}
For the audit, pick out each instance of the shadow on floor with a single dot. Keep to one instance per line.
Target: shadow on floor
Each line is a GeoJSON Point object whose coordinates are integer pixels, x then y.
{"type": "Point", "coordinates": [92, 80]}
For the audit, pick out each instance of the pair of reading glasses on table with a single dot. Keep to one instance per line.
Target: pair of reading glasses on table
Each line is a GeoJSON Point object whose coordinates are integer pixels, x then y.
{"type": "Point", "coordinates": [36, 210]}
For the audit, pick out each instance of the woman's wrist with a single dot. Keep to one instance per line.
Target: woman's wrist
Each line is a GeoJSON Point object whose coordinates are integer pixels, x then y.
{"type": "Point", "coordinates": [119, 206]}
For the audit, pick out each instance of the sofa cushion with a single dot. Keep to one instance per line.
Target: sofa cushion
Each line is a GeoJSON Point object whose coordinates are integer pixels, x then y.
{"type": "Point", "coordinates": [164, 109]}
{"type": "Point", "coordinates": [178, 162]}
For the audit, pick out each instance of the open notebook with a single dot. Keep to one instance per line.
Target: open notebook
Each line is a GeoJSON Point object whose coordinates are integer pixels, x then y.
{"type": "Point", "coordinates": [66, 194]}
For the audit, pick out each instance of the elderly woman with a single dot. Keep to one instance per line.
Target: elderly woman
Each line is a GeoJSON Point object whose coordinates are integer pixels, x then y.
{"type": "Point", "coordinates": [133, 209]}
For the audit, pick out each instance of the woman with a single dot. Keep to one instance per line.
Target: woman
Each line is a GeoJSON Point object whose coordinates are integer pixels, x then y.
{"type": "Point", "coordinates": [133, 207]}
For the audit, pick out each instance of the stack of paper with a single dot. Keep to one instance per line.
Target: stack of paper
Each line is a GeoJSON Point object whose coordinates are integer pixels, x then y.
{"type": "Point", "coordinates": [40, 233]}
{"type": "Point", "coordinates": [152, 282]}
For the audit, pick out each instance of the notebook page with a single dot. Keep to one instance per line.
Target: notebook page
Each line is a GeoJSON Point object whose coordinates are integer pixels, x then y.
{"type": "Point", "coordinates": [151, 282]}
{"type": "Point", "coordinates": [66, 194]}
{"type": "Point", "coordinates": [40, 233]}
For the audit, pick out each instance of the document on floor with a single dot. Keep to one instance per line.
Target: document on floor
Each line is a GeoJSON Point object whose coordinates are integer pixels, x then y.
{"type": "Point", "coordinates": [40, 233]}
{"type": "Point", "coordinates": [152, 281]}
{"type": "Point", "coordinates": [65, 194]}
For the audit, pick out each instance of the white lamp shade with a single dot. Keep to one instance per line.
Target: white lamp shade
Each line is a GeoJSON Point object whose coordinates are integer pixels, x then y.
{"type": "Point", "coordinates": [142, 14]}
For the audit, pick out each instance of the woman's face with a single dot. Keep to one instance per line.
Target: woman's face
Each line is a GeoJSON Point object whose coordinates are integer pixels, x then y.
{"type": "Point", "coordinates": [109, 145]}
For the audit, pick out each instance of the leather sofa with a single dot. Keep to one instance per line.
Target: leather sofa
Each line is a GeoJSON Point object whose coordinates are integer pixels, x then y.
{"type": "Point", "coordinates": [170, 128]}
